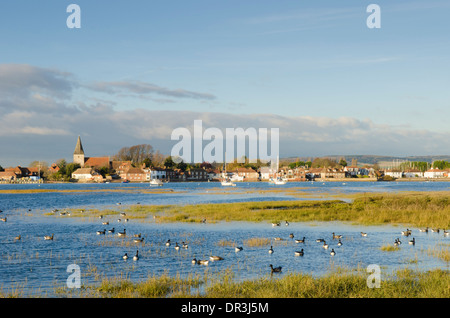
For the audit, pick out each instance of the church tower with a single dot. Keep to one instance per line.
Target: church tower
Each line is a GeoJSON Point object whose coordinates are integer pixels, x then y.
{"type": "Point", "coordinates": [78, 154]}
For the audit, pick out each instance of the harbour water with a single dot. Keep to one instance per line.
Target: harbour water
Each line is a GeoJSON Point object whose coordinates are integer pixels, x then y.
{"type": "Point", "coordinates": [39, 267]}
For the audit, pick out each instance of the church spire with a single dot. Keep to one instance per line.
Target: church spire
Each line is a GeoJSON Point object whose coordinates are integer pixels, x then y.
{"type": "Point", "coordinates": [79, 148]}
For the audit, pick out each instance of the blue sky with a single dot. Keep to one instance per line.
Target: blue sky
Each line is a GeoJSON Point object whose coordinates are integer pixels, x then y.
{"type": "Point", "coordinates": [258, 62]}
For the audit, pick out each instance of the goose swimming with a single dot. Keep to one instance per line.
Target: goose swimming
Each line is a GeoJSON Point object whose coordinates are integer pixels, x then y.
{"type": "Point", "coordinates": [299, 253]}
{"type": "Point", "coordinates": [275, 269]}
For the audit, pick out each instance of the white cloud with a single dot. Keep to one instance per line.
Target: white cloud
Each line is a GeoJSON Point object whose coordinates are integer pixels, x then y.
{"type": "Point", "coordinates": [39, 114]}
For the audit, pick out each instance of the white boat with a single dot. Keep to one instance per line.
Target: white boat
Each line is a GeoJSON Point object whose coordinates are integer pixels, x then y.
{"type": "Point", "coordinates": [156, 182]}
{"type": "Point", "coordinates": [278, 180]}
{"type": "Point", "coordinates": [228, 182]}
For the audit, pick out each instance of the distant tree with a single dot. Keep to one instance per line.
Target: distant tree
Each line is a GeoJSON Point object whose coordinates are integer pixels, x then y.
{"type": "Point", "coordinates": [168, 163]}
{"type": "Point", "coordinates": [158, 159]}
{"type": "Point", "coordinates": [1, 168]}
{"type": "Point", "coordinates": [182, 166]}
{"type": "Point", "coordinates": [441, 164]}
{"type": "Point", "coordinates": [420, 165]}
{"type": "Point", "coordinates": [324, 163]}
{"type": "Point", "coordinates": [342, 162]}
{"type": "Point", "coordinates": [136, 154]}
{"type": "Point", "coordinates": [70, 168]}
{"type": "Point", "coordinates": [147, 162]}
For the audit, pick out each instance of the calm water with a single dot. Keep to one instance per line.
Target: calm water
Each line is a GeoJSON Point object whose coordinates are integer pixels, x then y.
{"type": "Point", "coordinates": [39, 267]}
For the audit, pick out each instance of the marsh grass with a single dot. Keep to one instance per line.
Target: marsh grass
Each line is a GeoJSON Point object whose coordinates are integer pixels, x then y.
{"type": "Point", "coordinates": [257, 242]}
{"type": "Point", "coordinates": [422, 209]}
{"type": "Point", "coordinates": [341, 283]}
{"type": "Point", "coordinates": [153, 287]}
{"type": "Point", "coordinates": [344, 284]}
{"type": "Point", "coordinates": [389, 248]}
{"type": "Point", "coordinates": [442, 252]}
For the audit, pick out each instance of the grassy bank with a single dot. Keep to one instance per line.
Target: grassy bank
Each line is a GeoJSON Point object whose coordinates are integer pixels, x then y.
{"type": "Point", "coordinates": [414, 209]}
{"type": "Point", "coordinates": [404, 283]}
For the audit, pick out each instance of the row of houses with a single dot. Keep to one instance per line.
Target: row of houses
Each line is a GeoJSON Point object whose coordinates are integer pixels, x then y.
{"type": "Point", "coordinates": [127, 172]}
{"type": "Point", "coordinates": [433, 173]}
{"type": "Point", "coordinates": [20, 173]}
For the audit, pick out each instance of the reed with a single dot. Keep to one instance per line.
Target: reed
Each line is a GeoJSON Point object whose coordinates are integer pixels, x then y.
{"type": "Point", "coordinates": [152, 287]}
{"type": "Point", "coordinates": [417, 209]}
{"type": "Point", "coordinates": [389, 248]}
{"type": "Point", "coordinates": [421, 209]}
{"type": "Point", "coordinates": [440, 252]}
{"type": "Point", "coordinates": [403, 284]}
{"type": "Point", "coordinates": [257, 242]}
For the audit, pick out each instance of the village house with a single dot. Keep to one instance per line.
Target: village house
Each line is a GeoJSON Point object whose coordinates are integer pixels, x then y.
{"type": "Point", "coordinates": [8, 176]}
{"type": "Point", "coordinates": [171, 174]}
{"type": "Point", "coordinates": [155, 173]}
{"type": "Point", "coordinates": [334, 173]}
{"type": "Point", "coordinates": [197, 174]}
{"type": "Point", "coordinates": [313, 173]}
{"type": "Point", "coordinates": [53, 168]}
{"type": "Point", "coordinates": [266, 173]}
{"type": "Point", "coordinates": [352, 171]}
{"type": "Point", "coordinates": [413, 173]}
{"type": "Point", "coordinates": [248, 174]}
{"type": "Point", "coordinates": [214, 174]}
{"type": "Point", "coordinates": [134, 174]}
{"type": "Point", "coordinates": [394, 173]}
{"type": "Point", "coordinates": [296, 174]}
{"type": "Point", "coordinates": [16, 173]}
{"type": "Point", "coordinates": [86, 175]}
{"type": "Point", "coordinates": [434, 173]}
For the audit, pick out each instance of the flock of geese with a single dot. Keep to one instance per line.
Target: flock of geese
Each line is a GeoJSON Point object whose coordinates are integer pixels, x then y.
{"type": "Point", "coordinates": [137, 238]}
{"type": "Point", "coordinates": [325, 245]}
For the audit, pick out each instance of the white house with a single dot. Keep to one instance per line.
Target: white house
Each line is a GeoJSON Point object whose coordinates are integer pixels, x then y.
{"type": "Point", "coordinates": [86, 174]}
{"type": "Point", "coordinates": [155, 173]}
{"type": "Point", "coordinates": [266, 173]}
{"type": "Point", "coordinates": [413, 173]}
{"type": "Point", "coordinates": [352, 170]}
{"type": "Point", "coordinates": [394, 173]}
{"type": "Point", "coordinates": [434, 173]}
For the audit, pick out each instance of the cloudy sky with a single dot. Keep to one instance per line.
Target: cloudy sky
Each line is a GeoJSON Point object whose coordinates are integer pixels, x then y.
{"type": "Point", "coordinates": [136, 70]}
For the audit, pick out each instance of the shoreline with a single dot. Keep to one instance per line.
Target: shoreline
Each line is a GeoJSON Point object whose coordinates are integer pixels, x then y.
{"type": "Point", "coordinates": [249, 181]}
